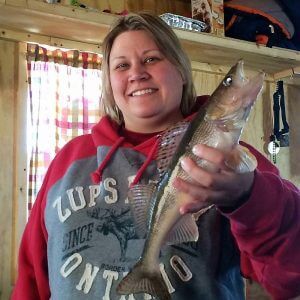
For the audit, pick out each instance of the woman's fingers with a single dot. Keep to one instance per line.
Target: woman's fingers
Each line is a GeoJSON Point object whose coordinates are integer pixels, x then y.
{"type": "Point", "coordinates": [212, 178]}
{"type": "Point", "coordinates": [210, 154]}
{"type": "Point", "coordinates": [207, 179]}
{"type": "Point", "coordinates": [213, 183]}
{"type": "Point", "coordinates": [195, 196]}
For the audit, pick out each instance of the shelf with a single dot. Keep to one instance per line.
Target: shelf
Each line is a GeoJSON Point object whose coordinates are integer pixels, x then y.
{"type": "Point", "coordinates": [54, 20]}
{"type": "Point", "coordinates": [226, 51]}
{"type": "Point", "coordinates": [60, 25]}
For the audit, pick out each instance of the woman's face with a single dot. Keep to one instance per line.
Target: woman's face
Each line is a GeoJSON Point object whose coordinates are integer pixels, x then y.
{"type": "Point", "coordinates": [146, 87]}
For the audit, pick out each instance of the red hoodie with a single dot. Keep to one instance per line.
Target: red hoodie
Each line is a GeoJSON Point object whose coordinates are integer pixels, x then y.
{"type": "Point", "coordinates": [74, 247]}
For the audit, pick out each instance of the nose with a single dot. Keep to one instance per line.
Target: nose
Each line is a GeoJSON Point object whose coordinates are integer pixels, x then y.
{"type": "Point", "coordinates": [138, 72]}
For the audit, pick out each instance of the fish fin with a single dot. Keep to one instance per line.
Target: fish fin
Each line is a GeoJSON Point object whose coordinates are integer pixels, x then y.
{"type": "Point", "coordinates": [141, 280]}
{"type": "Point", "coordinates": [202, 211]}
{"type": "Point", "coordinates": [185, 230]}
{"type": "Point", "coordinates": [241, 160]}
{"type": "Point", "coordinates": [169, 141]}
{"type": "Point", "coordinates": [139, 198]}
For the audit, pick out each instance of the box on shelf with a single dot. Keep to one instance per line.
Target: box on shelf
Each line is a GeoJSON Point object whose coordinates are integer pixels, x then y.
{"type": "Point", "coordinates": [211, 12]}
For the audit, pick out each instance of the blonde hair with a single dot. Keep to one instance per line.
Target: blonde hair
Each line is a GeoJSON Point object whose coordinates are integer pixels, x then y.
{"type": "Point", "coordinates": [166, 41]}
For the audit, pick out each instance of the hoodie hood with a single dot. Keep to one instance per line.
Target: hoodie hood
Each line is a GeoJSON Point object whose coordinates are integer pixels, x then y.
{"type": "Point", "coordinates": [107, 132]}
{"type": "Point", "coordinates": [110, 134]}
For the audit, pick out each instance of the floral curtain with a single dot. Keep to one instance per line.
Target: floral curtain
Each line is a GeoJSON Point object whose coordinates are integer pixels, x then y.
{"type": "Point", "coordinates": [63, 102]}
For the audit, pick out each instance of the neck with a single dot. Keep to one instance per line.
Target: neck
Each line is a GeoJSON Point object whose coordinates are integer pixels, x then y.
{"type": "Point", "coordinates": [151, 125]}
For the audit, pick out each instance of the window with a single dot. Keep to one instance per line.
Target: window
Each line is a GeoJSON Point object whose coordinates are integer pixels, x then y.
{"type": "Point", "coordinates": [63, 102]}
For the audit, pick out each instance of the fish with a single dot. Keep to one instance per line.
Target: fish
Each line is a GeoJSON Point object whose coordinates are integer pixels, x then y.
{"type": "Point", "coordinates": [218, 123]}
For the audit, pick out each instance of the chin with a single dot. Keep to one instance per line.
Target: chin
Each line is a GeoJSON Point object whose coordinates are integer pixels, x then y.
{"type": "Point", "coordinates": [147, 114]}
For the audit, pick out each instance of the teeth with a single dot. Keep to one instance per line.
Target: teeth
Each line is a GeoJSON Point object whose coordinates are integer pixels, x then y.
{"type": "Point", "coordinates": [142, 92]}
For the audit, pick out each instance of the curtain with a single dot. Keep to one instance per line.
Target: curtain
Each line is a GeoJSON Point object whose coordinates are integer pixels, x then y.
{"type": "Point", "coordinates": [63, 102]}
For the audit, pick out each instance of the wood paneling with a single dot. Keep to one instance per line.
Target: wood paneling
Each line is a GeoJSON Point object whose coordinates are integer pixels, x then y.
{"type": "Point", "coordinates": [7, 160]}
{"type": "Point", "coordinates": [288, 158]}
{"type": "Point", "coordinates": [13, 96]}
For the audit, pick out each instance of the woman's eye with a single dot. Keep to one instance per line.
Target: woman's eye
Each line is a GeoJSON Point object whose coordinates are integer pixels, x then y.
{"type": "Point", "coordinates": [121, 66]}
{"type": "Point", "coordinates": [151, 59]}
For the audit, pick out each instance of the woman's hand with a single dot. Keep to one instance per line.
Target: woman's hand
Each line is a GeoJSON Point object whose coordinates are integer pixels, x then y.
{"type": "Point", "coordinates": [223, 187]}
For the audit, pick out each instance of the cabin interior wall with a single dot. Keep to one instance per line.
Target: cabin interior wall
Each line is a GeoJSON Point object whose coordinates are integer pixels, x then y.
{"type": "Point", "coordinates": [12, 115]}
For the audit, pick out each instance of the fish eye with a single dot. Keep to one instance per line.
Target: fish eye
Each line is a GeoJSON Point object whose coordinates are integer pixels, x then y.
{"type": "Point", "coordinates": [227, 81]}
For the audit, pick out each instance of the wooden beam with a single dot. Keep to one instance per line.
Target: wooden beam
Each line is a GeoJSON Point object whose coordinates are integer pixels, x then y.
{"type": "Point", "coordinates": [20, 36]}
{"type": "Point", "coordinates": [289, 76]}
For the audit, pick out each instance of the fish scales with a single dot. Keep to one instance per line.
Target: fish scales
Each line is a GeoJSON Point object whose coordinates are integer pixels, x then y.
{"type": "Point", "coordinates": [204, 132]}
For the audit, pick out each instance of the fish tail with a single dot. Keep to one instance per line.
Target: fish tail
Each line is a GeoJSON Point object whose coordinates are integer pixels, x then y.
{"type": "Point", "coordinates": [139, 280]}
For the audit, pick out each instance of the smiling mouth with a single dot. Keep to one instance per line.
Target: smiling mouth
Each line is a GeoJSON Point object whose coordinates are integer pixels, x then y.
{"type": "Point", "coordinates": [142, 92]}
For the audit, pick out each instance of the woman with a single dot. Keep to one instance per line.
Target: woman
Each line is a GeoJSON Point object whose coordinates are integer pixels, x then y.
{"type": "Point", "coordinates": [80, 240]}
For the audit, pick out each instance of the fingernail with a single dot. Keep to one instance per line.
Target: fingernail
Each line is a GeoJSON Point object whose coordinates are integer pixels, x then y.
{"type": "Point", "coordinates": [196, 150]}
{"type": "Point", "coordinates": [183, 163]}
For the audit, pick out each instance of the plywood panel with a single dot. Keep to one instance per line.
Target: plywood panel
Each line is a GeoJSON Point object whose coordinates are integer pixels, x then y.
{"type": "Point", "coordinates": [288, 158]}
{"type": "Point", "coordinates": [20, 170]}
{"type": "Point", "coordinates": [7, 117]}
{"type": "Point", "coordinates": [259, 125]}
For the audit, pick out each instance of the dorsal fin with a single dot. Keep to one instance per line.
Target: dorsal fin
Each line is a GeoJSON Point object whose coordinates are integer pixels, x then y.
{"type": "Point", "coordinates": [169, 141]}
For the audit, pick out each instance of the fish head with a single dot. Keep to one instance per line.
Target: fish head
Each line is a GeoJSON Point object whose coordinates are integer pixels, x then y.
{"type": "Point", "coordinates": [231, 103]}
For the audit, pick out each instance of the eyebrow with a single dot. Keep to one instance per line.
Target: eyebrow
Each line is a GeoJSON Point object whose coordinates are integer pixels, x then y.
{"type": "Point", "coordinates": [145, 52]}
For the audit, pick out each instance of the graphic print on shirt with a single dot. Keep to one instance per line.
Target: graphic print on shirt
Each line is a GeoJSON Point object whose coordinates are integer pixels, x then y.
{"type": "Point", "coordinates": [92, 242]}
{"type": "Point", "coordinates": [120, 224]}
{"type": "Point", "coordinates": [91, 235]}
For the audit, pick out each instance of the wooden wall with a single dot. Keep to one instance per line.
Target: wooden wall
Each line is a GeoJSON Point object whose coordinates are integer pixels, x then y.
{"type": "Point", "coordinates": [13, 96]}
{"type": "Point", "coordinates": [7, 129]}
{"type": "Point", "coordinates": [12, 159]}
{"type": "Point", "coordinates": [288, 158]}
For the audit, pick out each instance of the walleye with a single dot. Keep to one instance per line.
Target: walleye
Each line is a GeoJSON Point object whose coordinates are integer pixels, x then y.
{"type": "Point", "coordinates": [219, 124]}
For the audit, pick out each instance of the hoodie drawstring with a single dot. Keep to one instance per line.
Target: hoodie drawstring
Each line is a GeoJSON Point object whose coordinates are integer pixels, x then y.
{"type": "Point", "coordinates": [145, 164]}
{"type": "Point", "coordinates": [97, 175]}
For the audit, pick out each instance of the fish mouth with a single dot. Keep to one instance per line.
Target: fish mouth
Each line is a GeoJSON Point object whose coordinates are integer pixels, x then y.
{"type": "Point", "coordinates": [142, 92]}
{"type": "Point", "coordinates": [242, 79]}
{"type": "Point", "coordinates": [250, 88]}
{"type": "Point", "coordinates": [257, 81]}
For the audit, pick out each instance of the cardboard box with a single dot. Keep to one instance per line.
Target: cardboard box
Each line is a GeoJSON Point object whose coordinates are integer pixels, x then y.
{"type": "Point", "coordinates": [211, 12]}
